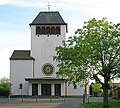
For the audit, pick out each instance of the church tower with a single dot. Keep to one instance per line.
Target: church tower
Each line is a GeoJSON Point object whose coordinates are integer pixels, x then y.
{"type": "Point", "coordinates": [48, 30]}
{"type": "Point", "coordinates": [33, 72]}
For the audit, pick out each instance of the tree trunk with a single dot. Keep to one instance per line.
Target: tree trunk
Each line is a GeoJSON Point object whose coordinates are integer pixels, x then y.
{"type": "Point", "coordinates": [105, 97]}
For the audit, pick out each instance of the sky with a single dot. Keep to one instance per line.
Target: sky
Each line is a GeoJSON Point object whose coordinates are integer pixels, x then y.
{"type": "Point", "coordinates": [16, 15]}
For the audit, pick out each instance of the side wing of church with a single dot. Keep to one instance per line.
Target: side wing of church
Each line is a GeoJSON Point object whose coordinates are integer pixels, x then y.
{"type": "Point", "coordinates": [33, 72]}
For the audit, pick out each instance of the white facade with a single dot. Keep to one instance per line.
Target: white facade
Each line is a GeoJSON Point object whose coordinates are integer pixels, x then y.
{"type": "Point", "coordinates": [33, 72]}
{"type": "Point", "coordinates": [43, 49]}
{"type": "Point", "coordinates": [19, 69]}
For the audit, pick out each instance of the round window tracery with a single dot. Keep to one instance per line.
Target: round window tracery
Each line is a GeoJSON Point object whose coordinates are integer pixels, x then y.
{"type": "Point", "coordinates": [48, 69]}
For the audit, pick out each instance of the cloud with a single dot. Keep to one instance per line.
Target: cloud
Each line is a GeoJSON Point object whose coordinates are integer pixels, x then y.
{"type": "Point", "coordinates": [10, 40]}
{"type": "Point", "coordinates": [14, 2]}
{"type": "Point", "coordinates": [80, 3]}
{"type": "Point", "coordinates": [25, 3]}
{"type": "Point", "coordinates": [68, 5]}
{"type": "Point", "coordinates": [3, 1]}
{"type": "Point", "coordinates": [57, 3]}
{"type": "Point", "coordinates": [94, 7]}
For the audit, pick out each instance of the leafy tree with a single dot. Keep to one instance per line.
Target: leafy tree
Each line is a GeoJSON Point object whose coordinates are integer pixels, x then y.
{"type": "Point", "coordinates": [4, 87]}
{"type": "Point", "coordinates": [94, 52]}
{"type": "Point", "coordinates": [97, 88]}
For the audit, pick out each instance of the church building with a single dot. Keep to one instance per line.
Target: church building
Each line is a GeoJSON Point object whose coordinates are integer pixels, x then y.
{"type": "Point", "coordinates": [33, 72]}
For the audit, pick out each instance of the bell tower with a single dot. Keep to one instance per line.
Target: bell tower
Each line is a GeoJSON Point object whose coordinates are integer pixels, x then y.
{"type": "Point", "coordinates": [33, 72]}
{"type": "Point", "coordinates": [48, 30]}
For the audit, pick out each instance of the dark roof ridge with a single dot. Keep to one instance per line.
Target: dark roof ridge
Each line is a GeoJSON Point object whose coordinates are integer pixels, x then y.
{"type": "Point", "coordinates": [48, 17]}
{"type": "Point", "coordinates": [49, 11]}
{"type": "Point", "coordinates": [21, 55]}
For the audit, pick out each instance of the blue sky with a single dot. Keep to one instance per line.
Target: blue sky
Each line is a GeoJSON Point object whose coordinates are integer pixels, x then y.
{"type": "Point", "coordinates": [15, 16]}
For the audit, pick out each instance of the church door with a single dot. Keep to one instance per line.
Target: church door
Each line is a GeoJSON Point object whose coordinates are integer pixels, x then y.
{"type": "Point", "coordinates": [34, 89]}
{"type": "Point", "coordinates": [57, 89]}
{"type": "Point", "coordinates": [46, 89]}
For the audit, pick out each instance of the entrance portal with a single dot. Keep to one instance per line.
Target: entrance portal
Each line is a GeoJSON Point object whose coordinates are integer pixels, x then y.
{"type": "Point", "coordinates": [34, 89]}
{"type": "Point", "coordinates": [57, 89]}
{"type": "Point", "coordinates": [46, 89]}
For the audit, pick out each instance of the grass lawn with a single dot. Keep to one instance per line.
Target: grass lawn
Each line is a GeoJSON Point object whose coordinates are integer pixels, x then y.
{"type": "Point", "coordinates": [113, 104]}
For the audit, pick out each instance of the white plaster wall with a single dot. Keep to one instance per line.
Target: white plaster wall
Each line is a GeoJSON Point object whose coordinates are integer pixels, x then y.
{"type": "Point", "coordinates": [53, 89]}
{"type": "Point", "coordinates": [75, 92]}
{"type": "Point", "coordinates": [30, 89]}
{"type": "Point", "coordinates": [39, 88]}
{"type": "Point", "coordinates": [63, 89]}
{"type": "Point", "coordinates": [43, 49]}
{"type": "Point", "coordinates": [19, 70]}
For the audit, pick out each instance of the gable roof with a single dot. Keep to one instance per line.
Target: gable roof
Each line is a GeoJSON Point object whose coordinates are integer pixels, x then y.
{"type": "Point", "coordinates": [51, 17]}
{"type": "Point", "coordinates": [21, 55]}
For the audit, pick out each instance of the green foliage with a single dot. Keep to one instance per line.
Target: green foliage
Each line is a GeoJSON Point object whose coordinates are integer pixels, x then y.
{"type": "Point", "coordinates": [97, 88]}
{"type": "Point", "coordinates": [94, 52]}
{"type": "Point", "coordinates": [113, 104]}
{"type": "Point", "coordinates": [70, 66]}
{"type": "Point", "coordinates": [110, 85]}
{"type": "Point", "coordinates": [93, 105]}
{"type": "Point", "coordinates": [4, 87]}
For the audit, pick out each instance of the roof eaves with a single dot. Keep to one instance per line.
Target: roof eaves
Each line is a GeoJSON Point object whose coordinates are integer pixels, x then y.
{"type": "Point", "coordinates": [48, 24]}
{"type": "Point", "coordinates": [35, 79]}
{"type": "Point", "coordinates": [21, 58]}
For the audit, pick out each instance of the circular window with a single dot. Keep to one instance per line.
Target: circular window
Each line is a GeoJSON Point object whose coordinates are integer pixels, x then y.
{"type": "Point", "coordinates": [48, 69]}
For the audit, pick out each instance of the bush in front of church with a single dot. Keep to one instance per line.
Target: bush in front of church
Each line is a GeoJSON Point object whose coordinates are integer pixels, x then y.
{"type": "Point", "coordinates": [4, 87]}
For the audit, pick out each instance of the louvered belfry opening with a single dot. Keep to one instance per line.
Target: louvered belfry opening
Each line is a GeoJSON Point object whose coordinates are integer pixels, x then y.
{"type": "Point", "coordinates": [48, 30]}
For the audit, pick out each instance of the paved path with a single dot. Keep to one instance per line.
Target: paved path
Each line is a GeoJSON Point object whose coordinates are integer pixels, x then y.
{"type": "Point", "coordinates": [45, 103]}
{"type": "Point", "coordinates": [41, 103]}
{"type": "Point", "coordinates": [71, 103]}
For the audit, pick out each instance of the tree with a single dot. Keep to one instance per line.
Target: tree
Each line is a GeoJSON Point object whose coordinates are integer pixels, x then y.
{"type": "Point", "coordinates": [4, 87]}
{"type": "Point", "coordinates": [97, 88]}
{"type": "Point", "coordinates": [94, 52]}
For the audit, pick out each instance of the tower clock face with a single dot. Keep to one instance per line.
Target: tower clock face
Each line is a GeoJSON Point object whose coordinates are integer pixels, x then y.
{"type": "Point", "coordinates": [48, 69]}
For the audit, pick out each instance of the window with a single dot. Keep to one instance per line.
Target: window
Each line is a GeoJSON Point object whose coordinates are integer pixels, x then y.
{"type": "Point", "coordinates": [37, 30]}
{"type": "Point", "coordinates": [52, 30]}
{"type": "Point", "coordinates": [48, 30]}
{"type": "Point", "coordinates": [20, 86]}
{"type": "Point", "coordinates": [75, 86]}
{"type": "Point", "coordinates": [57, 30]}
{"type": "Point", "coordinates": [43, 30]}
{"type": "Point", "coordinates": [48, 69]}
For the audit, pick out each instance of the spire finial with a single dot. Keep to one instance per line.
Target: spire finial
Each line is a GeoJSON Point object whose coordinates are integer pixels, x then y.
{"type": "Point", "coordinates": [48, 5]}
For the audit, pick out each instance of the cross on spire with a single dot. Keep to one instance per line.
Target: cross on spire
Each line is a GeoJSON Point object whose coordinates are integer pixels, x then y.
{"type": "Point", "coordinates": [48, 5]}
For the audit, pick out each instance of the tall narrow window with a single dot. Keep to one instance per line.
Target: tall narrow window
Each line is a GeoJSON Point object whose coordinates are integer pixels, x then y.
{"type": "Point", "coordinates": [43, 30]}
{"type": "Point", "coordinates": [20, 86]}
{"type": "Point", "coordinates": [48, 30]}
{"type": "Point", "coordinates": [75, 86]}
{"type": "Point", "coordinates": [57, 30]}
{"type": "Point", "coordinates": [37, 30]}
{"type": "Point", "coordinates": [52, 30]}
